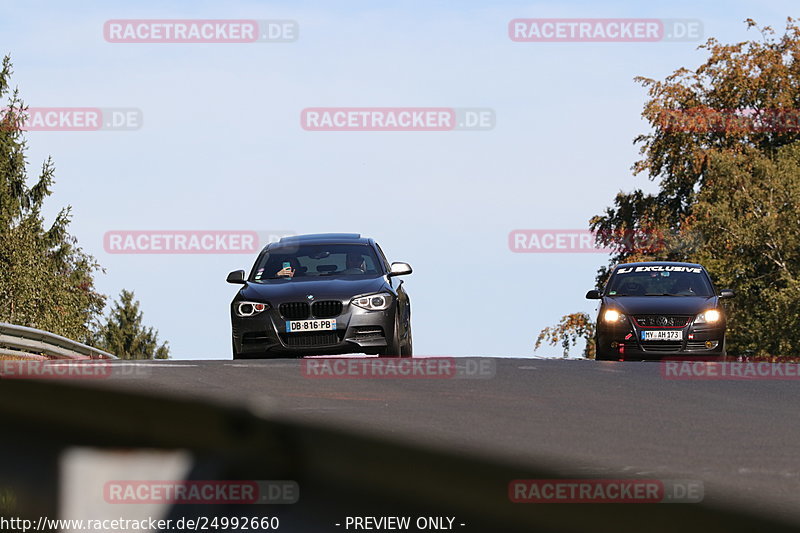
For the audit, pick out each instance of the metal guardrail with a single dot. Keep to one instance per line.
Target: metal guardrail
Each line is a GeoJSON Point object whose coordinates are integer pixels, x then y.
{"type": "Point", "coordinates": [31, 343]}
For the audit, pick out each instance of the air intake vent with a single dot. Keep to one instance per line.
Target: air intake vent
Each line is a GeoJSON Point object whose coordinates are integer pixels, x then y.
{"type": "Point", "coordinates": [302, 340]}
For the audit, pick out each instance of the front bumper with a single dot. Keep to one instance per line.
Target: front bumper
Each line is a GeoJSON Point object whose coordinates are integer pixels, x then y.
{"type": "Point", "coordinates": [357, 331]}
{"type": "Point", "coordinates": [624, 341]}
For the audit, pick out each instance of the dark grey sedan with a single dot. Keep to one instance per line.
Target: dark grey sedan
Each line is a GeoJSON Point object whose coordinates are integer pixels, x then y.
{"type": "Point", "coordinates": [321, 294]}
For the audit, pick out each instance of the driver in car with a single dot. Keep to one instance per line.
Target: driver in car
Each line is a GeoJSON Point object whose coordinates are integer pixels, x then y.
{"type": "Point", "coordinates": [683, 286]}
{"type": "Point", "coordinates": [354, 264]}
{"type": "Point", "coordinates": [288, 272]}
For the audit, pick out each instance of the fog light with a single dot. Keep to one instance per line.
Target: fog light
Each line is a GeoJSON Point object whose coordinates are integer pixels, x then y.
{"type": "Point", "coordinates": [614, 344]}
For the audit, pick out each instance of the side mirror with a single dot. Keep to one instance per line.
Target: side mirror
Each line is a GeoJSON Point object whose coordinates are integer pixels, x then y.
{"type": "Point", "coordinates": [400, 269]}
{"type": "Point", "coordinates": [593, 295]}
{"type": "Point", "coordinates": [726, 293]}
{"type": "Point", "coordinates": [237, 276]}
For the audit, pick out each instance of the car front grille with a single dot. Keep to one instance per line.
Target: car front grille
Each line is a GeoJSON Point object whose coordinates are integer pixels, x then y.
{"type": "Point", "coordinates": [326, 308]}
{"type": "Point", "coordinates": [662, 347]}
{"type": "Point", "coordinates": [311, 339]}
{"type": "Point", "coordinates": [662, 321]}
{"type": "Point", "coordinates": [294, 310]}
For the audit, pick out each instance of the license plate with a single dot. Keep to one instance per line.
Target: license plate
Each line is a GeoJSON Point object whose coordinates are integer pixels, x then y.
{"type": "Point", "coordinates": [295, 326]}
{"type": "Point", "coordinates": [663, 335]}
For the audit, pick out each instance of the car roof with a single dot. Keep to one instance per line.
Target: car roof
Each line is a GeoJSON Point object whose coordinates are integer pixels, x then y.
{"type": "Point", "coordinates": [660, 263]}
{"type": "Point", "coordinates": [320, 238]}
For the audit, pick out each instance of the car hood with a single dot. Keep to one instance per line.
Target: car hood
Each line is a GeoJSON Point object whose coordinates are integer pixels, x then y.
{"type": "Point", "coordinates": [298, 289]}
{"type": "Point", "coordinates": [667, 305]}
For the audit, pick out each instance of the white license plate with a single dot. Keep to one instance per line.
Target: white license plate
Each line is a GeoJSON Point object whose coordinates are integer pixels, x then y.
{"type": "Point", "coordinates": [295, 326]}
{"type": "Point", "coordinates": [663, 335]}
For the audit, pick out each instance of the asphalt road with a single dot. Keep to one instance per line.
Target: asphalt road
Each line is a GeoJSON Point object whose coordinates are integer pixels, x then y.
{"type": "Point", "coordinates": [587, 418]}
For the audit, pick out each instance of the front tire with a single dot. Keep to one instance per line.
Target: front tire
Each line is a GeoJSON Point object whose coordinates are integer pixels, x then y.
{"type": "Point", "coordinates": [393, 348]}
{"type": "Point", "coordinates": [408, 348]}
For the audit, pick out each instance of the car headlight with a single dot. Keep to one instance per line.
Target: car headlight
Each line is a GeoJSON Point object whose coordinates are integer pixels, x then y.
{"type": "Point", "coordinates": [708, 317]}
{"type": "Point", "coordinates": [613, 315]}
{"type": "Point", "coordinates": [373, 302]}
{"type": "Point", "coordinates": [245, 309]}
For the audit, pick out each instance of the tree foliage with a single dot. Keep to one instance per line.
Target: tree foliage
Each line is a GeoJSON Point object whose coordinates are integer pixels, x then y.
{"type": "Point", "coordinates": [567, 332]}
{"type": "Point", "coordinates": [723, 148]}
{"type": "Point", "coordinates": [755, 79]}
{"type": "Point", "coordinates": [749, 213]}
{"type": "Point", "coordinates": [47, 280]}
{"type": "Point", "coordinates": [124, 335]}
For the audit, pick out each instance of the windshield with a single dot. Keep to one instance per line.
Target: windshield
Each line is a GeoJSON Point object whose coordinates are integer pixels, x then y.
{"type": "Point", "coordinates": [647, 281]}
{"type": "Point", "coordinates": [317, 260]}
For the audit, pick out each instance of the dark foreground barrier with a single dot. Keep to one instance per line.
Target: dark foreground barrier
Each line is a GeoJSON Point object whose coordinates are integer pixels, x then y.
{"type": "Point", "coordinates": [340, 476]}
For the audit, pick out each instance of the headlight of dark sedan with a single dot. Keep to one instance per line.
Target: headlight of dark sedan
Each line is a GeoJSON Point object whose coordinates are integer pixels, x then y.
{"type": "Point", "coordinates": [245, 309]}
{"type": "Point", "coordinates": [711, 316]}
{"type": "Point", "coordinates": [612, 316]}
{"type": "Point", "coordinates": [373, 302]}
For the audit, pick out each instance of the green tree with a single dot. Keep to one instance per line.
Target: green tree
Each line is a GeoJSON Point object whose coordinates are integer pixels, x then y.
{"type": "Point", "coordinates": [723, 148]}
{"type": "Point", "coordinates": [124, 335]}
{"type": "Point", "coordinates": [754, 81]}
{"type": "Point", "coordinates": [46, 280]}
{"type": "Point", "coordinates": [749, 213]}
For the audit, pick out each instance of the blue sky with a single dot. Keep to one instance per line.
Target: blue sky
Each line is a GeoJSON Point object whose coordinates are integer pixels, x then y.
{"type": "Point", "coordinates": [221, 147]}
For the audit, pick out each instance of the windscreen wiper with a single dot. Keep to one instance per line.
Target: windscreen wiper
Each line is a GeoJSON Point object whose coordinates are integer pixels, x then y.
{"type": "Point", "coordinates": [664, 294]}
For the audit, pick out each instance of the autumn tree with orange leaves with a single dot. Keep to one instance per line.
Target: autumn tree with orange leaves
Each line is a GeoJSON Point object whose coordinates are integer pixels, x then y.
{"type": "Point", "coordinates": [724, 150]}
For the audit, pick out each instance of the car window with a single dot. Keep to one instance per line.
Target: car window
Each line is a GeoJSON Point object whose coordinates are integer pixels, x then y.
{"type": "Point", "coordinates": [317, 260]}
{"type": "Point", "coordinates": [383, 255]}
{"type": "Point", "coordinates": [627, 281]}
